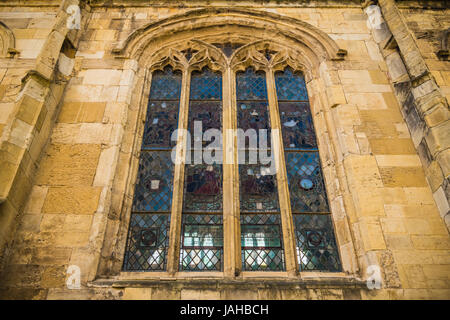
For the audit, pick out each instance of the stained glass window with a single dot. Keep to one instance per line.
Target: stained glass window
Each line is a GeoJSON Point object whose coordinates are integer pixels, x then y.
{"type": "Point", "coordinates": [261, 239]}
{"type": "Point", "coordinates": [162, 111]}
{"type": "Point", "coordinates": [203, 181]}
{"type": "Point", "coordinates": [316, 245]}
{"type": "Point", "coordinates": [201, 242]}
{"type": "Point", "coordinates": [261, 242]}
{"type": "Point", "coordinates": [148, 238]}
{"type": "Point", "coordinates": [202, 238]}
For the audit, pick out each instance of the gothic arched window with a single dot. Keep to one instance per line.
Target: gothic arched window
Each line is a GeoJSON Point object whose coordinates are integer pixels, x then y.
{"type": "Point", "coordinates": [266, 212]}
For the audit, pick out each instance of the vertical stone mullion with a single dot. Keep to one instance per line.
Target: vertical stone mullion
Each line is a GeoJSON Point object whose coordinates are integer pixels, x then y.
{"type": "Point", "coordinates": [178, 178]}
{"type": "Point", "coordinates": [230, 178]}
{"type": "Point", "coordinates": [282, 183]}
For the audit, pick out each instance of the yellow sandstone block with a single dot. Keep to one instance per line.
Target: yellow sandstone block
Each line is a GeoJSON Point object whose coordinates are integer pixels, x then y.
{"type": "Point", "coordinates": [72, 200]}
{"type": "Point", "coordinates": [392, 146]}
{"type": "Point", "coordinates": [403, 177]}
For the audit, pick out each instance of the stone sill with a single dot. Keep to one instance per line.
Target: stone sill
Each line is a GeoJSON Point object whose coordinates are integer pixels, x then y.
{"type": "Point", "coordinates": [216, 280]}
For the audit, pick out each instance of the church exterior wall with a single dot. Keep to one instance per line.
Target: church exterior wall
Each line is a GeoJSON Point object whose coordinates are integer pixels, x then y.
{"type": "Point", "coordinates": [72, 107]}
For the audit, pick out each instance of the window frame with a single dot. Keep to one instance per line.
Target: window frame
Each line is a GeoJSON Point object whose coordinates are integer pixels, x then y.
{"type": "Point", "coordinates": [231, 226]}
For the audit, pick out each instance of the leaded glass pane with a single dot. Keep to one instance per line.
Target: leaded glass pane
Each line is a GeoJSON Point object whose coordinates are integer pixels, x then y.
{"type": "Point", "coordinates": [148, 240]}
{"type": "Point", "coordinates": [206, 85]}
{"type": "Point", "coordinates": [208, 114]}
{"type": "Point", "coordinates": [162, 110]}
{"type": "Point", "coordinates": [161, 121]}
{"type": "Point", "coordinates": [254, 115]}
{"type": "Point", "coordinates": [166, 85]}
{"type": "Point", "coordinates": [203, 188]}
{"type": "Point", "coordinates": [251, 85]}
{"type": "Point", "coordinates": [261, 242]}
{"type": "Point", "coordinates": [316, 245]}
{"type": "Point", "coordinates": [148, 232]}
{"type": "Point", "coordinates": [290, 86]}
{"type": "Point", "coordinates": [153, 191]}
{"type": "Point", "coordinates": [258, 189]}
{"type": "Point", "coordinates": [306, 187]}
{"type": "Point", "coordinates": [297, 126]}
{"type": "Point", "coordinates": [201, 242]}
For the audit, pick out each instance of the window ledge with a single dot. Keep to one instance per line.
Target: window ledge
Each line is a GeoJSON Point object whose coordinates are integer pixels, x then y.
{"type": "Point", "coordinates": [217, 281]}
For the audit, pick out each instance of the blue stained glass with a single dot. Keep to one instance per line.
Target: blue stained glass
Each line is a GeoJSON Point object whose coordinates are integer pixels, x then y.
{"type": "Point", "coordinates": [290, 86]}
{"type": "Point", "coordinates": [202, 188]}
{"type": "Point", "coordinates": [316, 245]}
{"type": "Point", "coordinates": [206, 85]}
{"type": "Point", "coordinates": [254, 115]}
{"type": "Point", "coordinates": [297, 126]}
{"type": "Point", "coordinates": [208, 112]}
{"type": "Point", "coordinates": [258, 189]}
{"type": "Point", "coordinates": [162, 120]}
{"type": "Point", "coordinates": [306, 187]}
{"type": "Point", "coordinates": [251, 85]}
{"type": "Point", "coordinates": [153, 191]}
{"type": "Point", "coordinates": [148, 240]}
{"type": "Point", "coordinates": [166, 85]}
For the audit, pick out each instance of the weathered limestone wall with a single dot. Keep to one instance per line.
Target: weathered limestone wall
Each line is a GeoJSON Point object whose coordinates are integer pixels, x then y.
{"type": "Point", "coordinates": [382, 204]}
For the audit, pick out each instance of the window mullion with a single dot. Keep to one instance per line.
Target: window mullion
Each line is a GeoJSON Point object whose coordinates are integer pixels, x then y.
{"type": "Point", "coordinates": [230, 178]}
{"type": "Point", "coordinates": [178, 181]}
{"type": "Point", "coordinates": [282, 183]}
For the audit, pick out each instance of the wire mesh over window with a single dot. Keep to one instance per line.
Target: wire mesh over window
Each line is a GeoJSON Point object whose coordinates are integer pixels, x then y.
{"type": "Point", "coordinates": [148, 238]}
{"type": "Point", "coordinates": [316, 244]}
{"type": "Point", "coordinates": [201, 242]}
{"type": "Point", "coordinates": [261, 242]}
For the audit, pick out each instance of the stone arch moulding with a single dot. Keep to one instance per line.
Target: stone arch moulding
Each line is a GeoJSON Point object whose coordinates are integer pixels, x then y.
{"type": "Point", "coordinates": [7, 41]}
{"type": "Point", "coordinates": [291, 28]}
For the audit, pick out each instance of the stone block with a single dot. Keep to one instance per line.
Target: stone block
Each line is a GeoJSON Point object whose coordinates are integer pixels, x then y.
{"type": "Point", "coordinates": [403, 177]}
{"type": "Point", "coordinates": [137, 294]}
{"type": "Point", "coordinates": [69, 165]}
{"type": "Point", "coordinates": [392, 146]}
{"type": "Point", "coordinates": [72, 200]}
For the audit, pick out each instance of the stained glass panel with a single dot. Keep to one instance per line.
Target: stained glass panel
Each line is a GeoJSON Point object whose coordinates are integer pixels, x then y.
{"type": "Point", "coordinates": [153, 191]}
{"type": "Point", "coordinates": [297, 126]}
{"type": "Point", "coordinates": [306, 187]}
{"type": "Point", "coordinates": [209, 113]}
{"type": "Point", "coordinates": [203, 188]}
{"type": "Point", "coordinates": [261, 242]}
{"type": "Point", "coordinates": [148, 240]}
{"type": "Point", "coordinates": [162, 110]}
{"type": "Point", "coordinates": [162, 120]}
{"type": "Point", "coordinates": [166, 85]}
{"type": "Point", "coordinates": [148, 237]}
{"type": "Point", "coordinates": [316, 245]}
{"type": "Point", "coordinates": [254, 115]}
{"type": "Point", "coordinates": [201, 243]}
{"type": "Point", "coordinates": [206, 85]}
{"type": "Point", "coordinates": [290, 86]}
{"type": "Point", "coordinates": [251, 85]}
{"type": "Point", "coordinates": [258, 189]}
